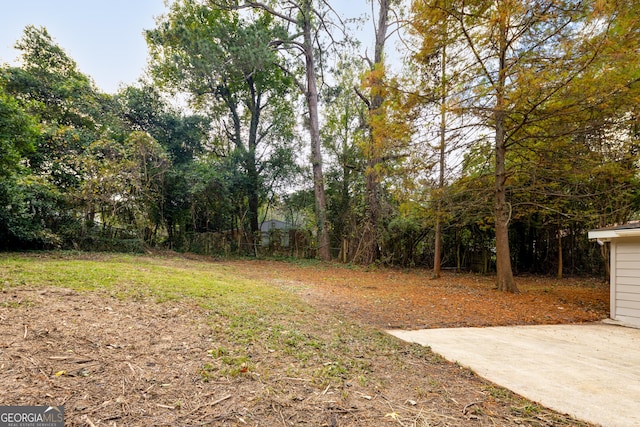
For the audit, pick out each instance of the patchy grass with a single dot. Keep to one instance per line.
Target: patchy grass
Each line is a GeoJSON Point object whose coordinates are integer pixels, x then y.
{"type": "Point", "coordinates": [139, 340]}
{"type": "Point", "coordinates": [127, 276]}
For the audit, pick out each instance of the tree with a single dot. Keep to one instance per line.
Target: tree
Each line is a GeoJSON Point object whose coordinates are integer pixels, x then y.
{"type": "Point", "coordinates": [383, 133]}
{"type": "Point", "coordinates": [342, 135]}
{"type": "Point", "coordinates": [306, 22]}
{"type": "Point", "coordinates": [70, 114]}
{"type": "Point", "coordinates": [125, 183]}
{"type": "Point", "coordinates": [18, 132]}
{"type": "Point", "coordinates": [69, 109]}
{"type": "Point", "coordinates": [432, 63]}
{"type": "Point", "coordinates": [143, 109]}
{"type": "Point", "coordinates": [524, 55]}
{"type": "Point", "coordinates": [227, 66]}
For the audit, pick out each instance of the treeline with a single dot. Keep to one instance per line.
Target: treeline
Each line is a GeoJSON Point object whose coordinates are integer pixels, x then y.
{"type": "Point", "coordinates": [83, 169]}
{"type": "Point", "coordinates": [509, 126]}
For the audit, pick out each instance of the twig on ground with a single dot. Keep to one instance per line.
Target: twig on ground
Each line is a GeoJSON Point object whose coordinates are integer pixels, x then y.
{"type": "Point", "coordinates": [469, 405]}
{"type": "Point", "coordinates": [204, 405]}
{"type": "Point", "coordinates": [160, 405]}
{"type": "Point", "coordinates": [88, 421]}
{"type": "Point", "coordinates": [284, 422]}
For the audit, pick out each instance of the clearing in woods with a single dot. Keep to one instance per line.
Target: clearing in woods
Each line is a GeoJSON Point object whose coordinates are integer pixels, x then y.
{"type": "Point", "coordinates": [124, 340]}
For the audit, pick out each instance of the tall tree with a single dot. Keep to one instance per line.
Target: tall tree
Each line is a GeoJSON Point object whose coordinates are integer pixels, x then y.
{"type": "Point", "coordinates": [143, 108]}
{"type": "Point", "coordinates": [438, 68]}
{"type": "Point", "coordinates": [227, 66]}
{"type": "Point", "coordinates": [71, 113]}
{"type": "Point", "coordinates": [378, 141]}
{"type": "Point", "coordinates": [342, 135]}
{"type": "Point", "coordinates": [524, 54]}
{"type": "Point", "coordinates": [306, 19]}
{"type": "Point", "coordinates": [70, 110]}
{"type": "Point", "coordinates": [432, 55]}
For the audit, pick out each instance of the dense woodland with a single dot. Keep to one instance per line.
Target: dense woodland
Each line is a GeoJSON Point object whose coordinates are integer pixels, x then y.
{"type": "Point", "coordinates": [500, 135]}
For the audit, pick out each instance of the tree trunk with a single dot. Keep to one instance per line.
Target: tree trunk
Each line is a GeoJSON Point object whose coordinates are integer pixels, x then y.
{"type": "Point", "coordinates": [560, 258]}
{"type": "Point", "coordinates": [504, 272]}
{"type": "Point", "coordinates": [458, 254]}
{"type": "Point", "coordinates": [369, 231]}
{"type": "Point", "coordinates": [437, 250]}
{"type": "Point", "coordinates": [505, 279]}
{"type": "Point", "coordinates": [345, 202]}
{"type": "Point", "coordinates": [324, 250]}
{"type": "Point", "coordinates": [252, 166]}
{"type": "Point", "coordinates": [437, 255]}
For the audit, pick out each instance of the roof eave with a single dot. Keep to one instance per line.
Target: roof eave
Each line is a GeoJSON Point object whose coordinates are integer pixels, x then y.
{"type": "Point", "coordinates": [607, 235]}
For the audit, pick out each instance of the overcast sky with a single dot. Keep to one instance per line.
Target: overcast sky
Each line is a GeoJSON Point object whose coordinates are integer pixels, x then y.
{"type": "Point", "coordinates": [104, 37]}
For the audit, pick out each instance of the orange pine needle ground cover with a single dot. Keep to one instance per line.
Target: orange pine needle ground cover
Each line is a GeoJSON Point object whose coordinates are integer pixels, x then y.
{"type": "Point", "coordinates": [410, 299]}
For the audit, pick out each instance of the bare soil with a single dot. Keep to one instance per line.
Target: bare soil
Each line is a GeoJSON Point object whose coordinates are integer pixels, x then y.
{"type": "Point", "coordinates": [137, 362]}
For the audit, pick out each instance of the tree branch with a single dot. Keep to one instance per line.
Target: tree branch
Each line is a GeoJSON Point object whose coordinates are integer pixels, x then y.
{"type": "Point", "coordinates": [253, 5]}
{"type": "Point", "coordinates": [362, 97]}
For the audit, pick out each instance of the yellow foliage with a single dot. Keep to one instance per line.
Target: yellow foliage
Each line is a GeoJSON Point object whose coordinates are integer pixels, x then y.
{"type": "Point", "coordinates": [388, 121]}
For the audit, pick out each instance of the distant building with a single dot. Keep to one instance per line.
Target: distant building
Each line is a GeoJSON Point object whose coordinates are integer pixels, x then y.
{"type": "Point", "coordinates": [272, 228]}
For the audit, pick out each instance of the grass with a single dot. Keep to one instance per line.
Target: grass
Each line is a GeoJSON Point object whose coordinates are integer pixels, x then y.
{"type": "Point", "coordinates": [244, 314]}
{"type": "Point", "coordinates": [130, 276]}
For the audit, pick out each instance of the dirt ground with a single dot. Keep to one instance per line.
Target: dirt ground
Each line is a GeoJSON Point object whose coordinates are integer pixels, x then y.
{"type": "Point", "coordinates": [135, 362]}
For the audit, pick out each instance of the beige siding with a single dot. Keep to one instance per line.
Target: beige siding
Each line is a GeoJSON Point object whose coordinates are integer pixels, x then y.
{"type": "Point", "coordinates": [627, 288]}
{"type": "Point", "coordinates": [627, 281]}
{"type": "Point", "coordinates": [624, 257]}
{"type": "Point", "coordinates": [627, 296]}
{"type": "Point", "coordinates": [628, 304]}
{"type": "Point", "coordinates": [629, 272]}
{"type": "Point", "coordinates": [626, 274]}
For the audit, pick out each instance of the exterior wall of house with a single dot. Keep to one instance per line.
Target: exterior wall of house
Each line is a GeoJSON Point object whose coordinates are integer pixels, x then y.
{"type": "Point", "coordinates": [625, 281]}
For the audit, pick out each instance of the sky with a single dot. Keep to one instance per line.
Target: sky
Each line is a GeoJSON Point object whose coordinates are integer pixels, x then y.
{"type": "Point", "coordinates": [104, 37]}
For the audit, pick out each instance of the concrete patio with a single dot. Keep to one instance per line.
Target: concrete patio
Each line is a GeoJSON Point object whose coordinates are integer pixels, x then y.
{"type": "Point", "coordinates": [590, 371]}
